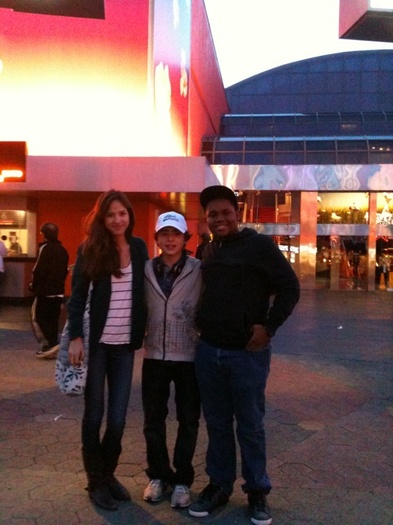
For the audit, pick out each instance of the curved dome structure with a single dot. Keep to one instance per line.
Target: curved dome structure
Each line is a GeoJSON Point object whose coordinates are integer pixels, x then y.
{"type": "Point", "coordinates": [341, 82]}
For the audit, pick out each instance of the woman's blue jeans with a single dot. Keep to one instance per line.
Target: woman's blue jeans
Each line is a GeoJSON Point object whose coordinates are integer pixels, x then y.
{"type": "Point", "coordinates": [232, 387]}
{"type": "Point", "coordinates": [114, 364]}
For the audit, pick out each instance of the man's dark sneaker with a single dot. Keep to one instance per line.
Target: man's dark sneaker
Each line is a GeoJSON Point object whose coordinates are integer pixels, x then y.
{"type": "Point", "coordinates": [211, 497]}
{"type": "Point", "coordinates": [259, 509]}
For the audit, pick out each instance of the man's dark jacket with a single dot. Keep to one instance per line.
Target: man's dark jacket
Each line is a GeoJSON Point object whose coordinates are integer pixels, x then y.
{"type": "Point", "coordinates": [50, 270]}
{"type": "Point", "coordinates": [247, 281]}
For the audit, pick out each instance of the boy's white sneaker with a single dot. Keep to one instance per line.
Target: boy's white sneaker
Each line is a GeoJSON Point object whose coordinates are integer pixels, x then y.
{"type": "Point", "coordinates": [154, 491]}
{"type": "Point", "coordinates": [180, 497]}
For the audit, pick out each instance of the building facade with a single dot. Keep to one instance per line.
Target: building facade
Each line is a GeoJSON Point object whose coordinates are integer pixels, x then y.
{"type": "Point", "coordinates": [309, 148]}
{"type": "Point", "coordinates": [128, 95]}
{"type": "Point", "coordinates": [100, 95]}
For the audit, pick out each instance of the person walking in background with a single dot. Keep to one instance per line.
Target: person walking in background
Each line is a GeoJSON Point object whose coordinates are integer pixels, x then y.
{"type": "Point", "coordinates": [48, 284]}
{"type": "Point", "coordinates": [173, 284]}
{"type": "Point", "coordinates": [249, 291]}
{"type": "Point", "coordinates": [3, 253]}
{"type": "Point", "coordinates": [205, 241]}
{"type": "Point", "coordinates": [113, 260]}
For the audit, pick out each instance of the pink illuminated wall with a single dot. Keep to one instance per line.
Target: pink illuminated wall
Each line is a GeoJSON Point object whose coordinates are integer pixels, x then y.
{"type": "Point", "coordinates": [141, 81]}
{"type": "Point", "coordinates": [207, 95]}
{"type": "Point", "coordinates": [171, 63]}
{"type": "Point", "coordinates": [77, 86]}
{"type": "Point", "coordinates": [350, 12]}
{"type": "Point", "coordinates": [81, 8]}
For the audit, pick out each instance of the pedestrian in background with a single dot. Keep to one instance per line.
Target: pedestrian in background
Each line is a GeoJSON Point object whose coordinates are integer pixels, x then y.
{"type": "Point", "coordinates": [249, 291]}
{"type": "Point", "coordinates": [112, 260]}
{"type": "Point", "coordinates": [48, 285]}
{"type": "Point", "coordinates": [173, 285]}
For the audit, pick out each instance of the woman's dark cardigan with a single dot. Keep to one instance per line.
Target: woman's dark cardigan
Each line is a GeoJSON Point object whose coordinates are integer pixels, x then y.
{"type": "Point", "coordinates": [100, 299]}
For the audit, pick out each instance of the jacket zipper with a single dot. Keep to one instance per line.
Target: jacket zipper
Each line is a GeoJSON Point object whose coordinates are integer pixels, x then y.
{"type": "Point", "coordinates": [164, 334]}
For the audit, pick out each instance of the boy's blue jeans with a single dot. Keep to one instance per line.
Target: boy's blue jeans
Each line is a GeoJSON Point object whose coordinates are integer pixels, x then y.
{"type": "Point", "coordinates": [232, 386]}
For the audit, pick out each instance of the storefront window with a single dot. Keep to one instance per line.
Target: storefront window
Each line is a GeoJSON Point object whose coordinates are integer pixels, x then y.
{"type": "Point", "coordinates": [385, 209]}
{"type": "Point", "coordinates": [343, 208]}
{"type": "Point", "coordinates": [384, 242]}
{"type": "Point", "coordinates": [342, 262]}
{"type": "Point", "coordinates": [342, 240]}
{"type": "Point", "coordinates": [384, 263]}
{"type": "Point", "coordinates": [275, 214]}
{"type": "Point", "coordinates": [269, 207]}
{"type": "Point", "coordinates": [289, 246]}
{"type": "Point", "coordinates": [17, 231]}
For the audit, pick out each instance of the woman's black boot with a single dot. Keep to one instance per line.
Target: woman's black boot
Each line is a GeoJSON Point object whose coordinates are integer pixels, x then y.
{"type": "Point", "coordinates": [97, 486]}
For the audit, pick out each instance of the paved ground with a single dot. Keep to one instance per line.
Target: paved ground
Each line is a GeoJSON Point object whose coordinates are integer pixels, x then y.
{"type": "Point", "coordinates": [329, 427]}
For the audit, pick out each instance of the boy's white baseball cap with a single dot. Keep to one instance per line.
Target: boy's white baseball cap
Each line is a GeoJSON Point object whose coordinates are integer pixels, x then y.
{"type": "Point", "coordinates": [173, 219]}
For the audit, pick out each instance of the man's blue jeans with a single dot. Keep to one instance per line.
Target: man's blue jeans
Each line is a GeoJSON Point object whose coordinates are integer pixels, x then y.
{"type": "Point", "coordinates": [115, 364]}
{"type": "Point", "coordinates": [232, 386]}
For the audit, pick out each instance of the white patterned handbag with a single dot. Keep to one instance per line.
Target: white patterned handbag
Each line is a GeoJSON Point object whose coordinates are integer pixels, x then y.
{"type": "Point", "coordinates": [71, 379]}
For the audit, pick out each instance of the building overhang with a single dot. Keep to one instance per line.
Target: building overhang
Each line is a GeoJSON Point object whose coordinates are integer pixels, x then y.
{"type": "Point", "coordinates": [370, 20]}
{"type": "Point", "coordinates": [309, 177]}
{"type": "Point", "coordinates": [129, 174]}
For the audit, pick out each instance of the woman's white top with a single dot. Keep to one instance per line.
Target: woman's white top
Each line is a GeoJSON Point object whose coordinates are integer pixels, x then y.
{"type": "Point", "coordinates": [117, 330]}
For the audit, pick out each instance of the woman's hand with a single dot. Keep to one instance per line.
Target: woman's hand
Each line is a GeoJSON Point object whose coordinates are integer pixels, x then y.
{"type": "Point", "coordinates": [76, 352]}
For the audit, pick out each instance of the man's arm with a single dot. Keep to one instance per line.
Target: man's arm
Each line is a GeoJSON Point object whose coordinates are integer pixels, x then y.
{"type": "Point", "coordinates": [285, 287]}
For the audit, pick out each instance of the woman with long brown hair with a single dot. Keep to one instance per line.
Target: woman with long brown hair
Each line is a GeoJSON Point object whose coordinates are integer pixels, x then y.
{"type": "Point", "coordinates": [111, 260]}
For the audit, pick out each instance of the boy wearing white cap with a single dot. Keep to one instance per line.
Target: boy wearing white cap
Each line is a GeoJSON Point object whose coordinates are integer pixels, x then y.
{"type": "Point", "coordinates": [173, 285]}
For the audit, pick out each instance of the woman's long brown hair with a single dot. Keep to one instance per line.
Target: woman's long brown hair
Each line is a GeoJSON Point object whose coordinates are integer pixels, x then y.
{"type": "Point", "coordinates": [100, 253]}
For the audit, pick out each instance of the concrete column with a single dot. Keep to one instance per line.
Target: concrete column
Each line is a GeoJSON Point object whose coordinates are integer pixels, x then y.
{"type": "Point", "coordinates": [308, 239]}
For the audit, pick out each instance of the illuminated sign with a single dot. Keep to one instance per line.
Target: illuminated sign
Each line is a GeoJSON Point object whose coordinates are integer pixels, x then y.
{"type": "Point", "coordinates": [12, 219]}
{"type": "Point", "coordinates": [12, 162]}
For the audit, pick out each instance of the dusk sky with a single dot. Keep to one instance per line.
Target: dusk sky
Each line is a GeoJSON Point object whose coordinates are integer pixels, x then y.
{"type": "Point", "coordinates": [252, 36]}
